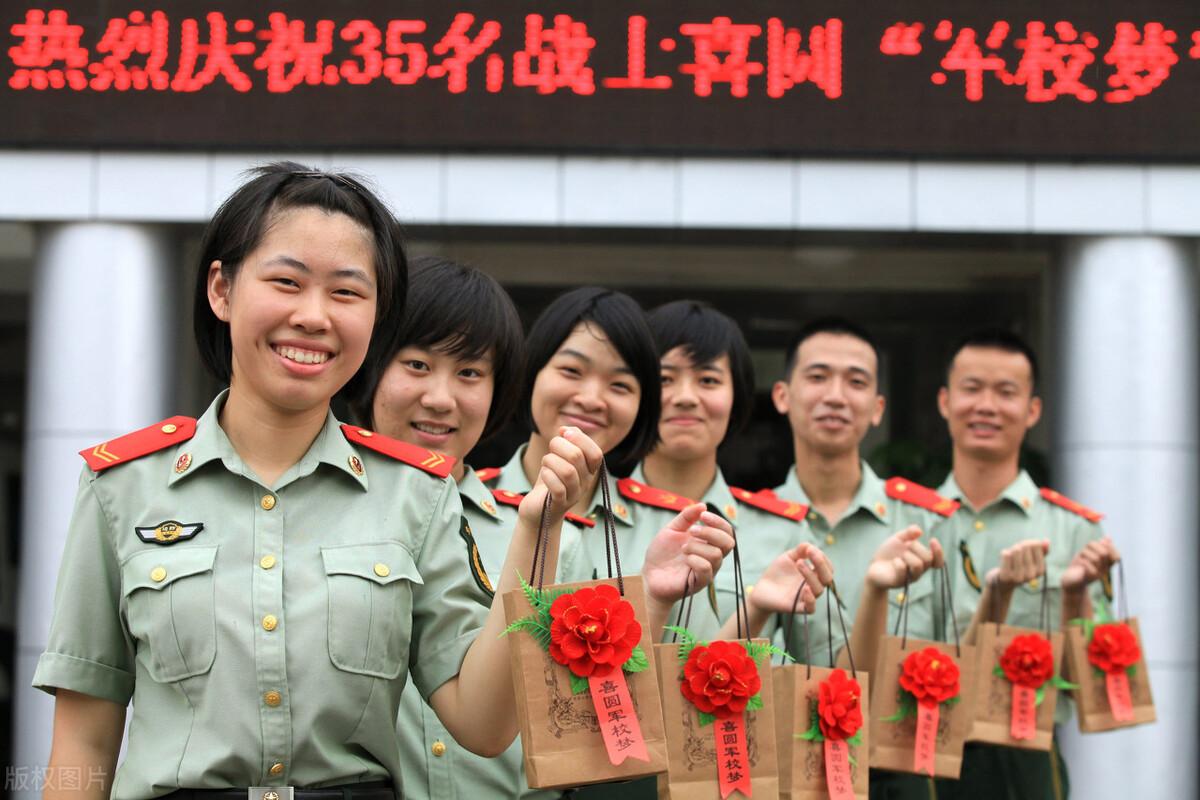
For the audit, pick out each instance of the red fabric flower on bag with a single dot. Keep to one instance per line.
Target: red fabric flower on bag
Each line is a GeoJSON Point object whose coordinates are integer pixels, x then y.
{"type": "Point", "coordinates": [930, 675]}
{"type": "Point", "coordinates": [1028, 661]}
{"type": "Point", "coordinates": [1113, 647]}
{"type": "Point", "coordinates": [720, 678]}
{"type": "Point", "coordinates": [593, 630]}
{"type": "Point", "coordinates": [838, 711]}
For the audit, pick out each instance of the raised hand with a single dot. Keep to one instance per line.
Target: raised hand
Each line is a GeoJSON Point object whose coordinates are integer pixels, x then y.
{"type": "Point", "coordinates": [1020, 563]}
{"type": "Point", "coordinates": [694, 543]}
{"type": "Point", "coordinates": [903, 556]}
{"type": "Point", "coordinates": [568, 470]}
{"type": "Point", "coordinates": [804, 565]}
{"type": "Point", "coordinates": [1089, 564]}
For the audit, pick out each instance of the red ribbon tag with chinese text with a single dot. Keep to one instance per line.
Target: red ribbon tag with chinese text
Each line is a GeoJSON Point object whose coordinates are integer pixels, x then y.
{"type": "Point", "coordinates": [1120, 699]}
{"type": "Point", "coordinates": [1024, 713]}
{"type": "Point", "coordinates": [617, 718]}
{"type": "Point", "coordinates": [925, 746]}
{"type": "Point", "coordinates": [733, 755]}
{"type": "Point", "coordinates": [837, 770]}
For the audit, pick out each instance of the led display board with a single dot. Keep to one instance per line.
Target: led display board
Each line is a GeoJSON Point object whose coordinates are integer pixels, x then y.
{"type": "Point", "coordinates": [1094, 79]}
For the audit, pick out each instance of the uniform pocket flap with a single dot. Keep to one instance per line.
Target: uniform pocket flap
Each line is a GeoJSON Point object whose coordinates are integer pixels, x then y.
{"type": "Point", "coordinates": [915, 592]}
{"type": "Point", "coordinates": [159, 568]}
{"type": "Point", "coordinates": [381, 562]}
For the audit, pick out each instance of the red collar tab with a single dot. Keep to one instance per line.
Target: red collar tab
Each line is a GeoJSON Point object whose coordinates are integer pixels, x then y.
{"type": "Point", "coordinates": [767, 500]}
{"type": "Point", "coordinates": [487, 474]}
{"type": "Point", "coordinates": [134, 445]}
{"type": "Point", "coordinates": [1071, 505]}
{"type": "Point", "coordinates": [429, 460]}
{"type": "Point", "coordinates": [514, 499]}
{"type": "Point", "coordinates": [914, 493]}
{"type": "Point", "coordinates": [647, 495]}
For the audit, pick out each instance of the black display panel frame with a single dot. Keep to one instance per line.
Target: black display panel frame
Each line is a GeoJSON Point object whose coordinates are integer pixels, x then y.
{"type": "Point", "coordinates": [872, 95]}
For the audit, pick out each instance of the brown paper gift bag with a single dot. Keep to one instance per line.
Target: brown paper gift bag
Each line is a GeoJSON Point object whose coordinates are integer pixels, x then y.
{"type": "Point", "coordinates": [994, 693]}
{"type": "Point", "coordinates": [802, 774]}
{"type": "Point", "coordinates": [894, 744]}
{"type": "Point", "coordinates": [1092, 703]}
{"type": "Point", "coordinates": [560, 730]}
{"type": "Point", "coordinates": [693, 757]}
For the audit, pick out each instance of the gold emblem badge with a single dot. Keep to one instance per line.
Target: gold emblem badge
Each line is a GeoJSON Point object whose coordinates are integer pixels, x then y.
{"type": "Point", "coordinates": [270, 795]}
{"type": "Point", "coordinates": [182, 463]}
{"type": "Point", "coordinates": [356, 466]}
{"type": "Point", "coordinates": [169, 532]}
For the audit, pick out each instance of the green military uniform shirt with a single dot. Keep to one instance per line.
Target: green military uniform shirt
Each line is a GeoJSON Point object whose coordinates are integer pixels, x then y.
{"type": "Point", "coordinates": [850, 543]}
{"type": "Point", "coordinates": [1020, 512]}
{"type": "Point", "coordinates": [267, 644]}
{"type": "Point", "coordinates": [436, 767]}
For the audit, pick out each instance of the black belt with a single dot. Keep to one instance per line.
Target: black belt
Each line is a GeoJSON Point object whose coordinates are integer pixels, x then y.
{"type": "Point", "coordinates": [371, 790]}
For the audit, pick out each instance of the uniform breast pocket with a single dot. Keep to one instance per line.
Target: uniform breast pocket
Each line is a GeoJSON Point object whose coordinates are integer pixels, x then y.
{"type": "Point", "coordinates": [169, 597]}
{"type": "Point", "coordinates": [1026, 608]}
{"type": "Point", "coordinates": [922, 606]}
{"type": "Point", "coordinates": [370, 606]}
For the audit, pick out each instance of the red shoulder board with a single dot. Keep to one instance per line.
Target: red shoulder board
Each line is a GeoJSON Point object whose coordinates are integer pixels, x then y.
{"type": "Point", "coordinates": [139, 443]}
{"type": "Point", "coordinates": [487, 474]}
{"type": "Point", "coordinates": [432, 462]}
{"type": "Point", "coordinates": [1071, 505]}
{"type": "Point", "coordinates": [514, 499]}
{"type": "Point", "coordinates": [647, 495]}
{"type": "Point", "coordinates": [767, 500]}
{"type": "Point", "coordinates": [918, 495]}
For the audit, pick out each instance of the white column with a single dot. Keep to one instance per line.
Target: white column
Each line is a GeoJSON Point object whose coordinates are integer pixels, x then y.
{"type": "Point", "coordinates": [101, 330]}
{"type": "Point", "coordinates": [1127, 444]}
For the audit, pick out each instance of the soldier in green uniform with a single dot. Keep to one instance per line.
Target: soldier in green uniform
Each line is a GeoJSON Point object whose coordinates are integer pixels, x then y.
{"type": "Point", "coordinates": [707, 395]}
{"type": "Point", "coordinates": [262, 581]}
{"type": "Point", "coordinates": [830, 395]}
{"type": "Point", "coordinates": [989, 402]}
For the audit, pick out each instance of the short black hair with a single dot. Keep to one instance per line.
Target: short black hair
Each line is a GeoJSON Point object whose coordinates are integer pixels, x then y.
{"type": "Point", "coordinates": [997, 339]}
{"type": "Point", "coordinates": [706, 334]}
{"type": "Point", "coordinates": [836, 325]}
{"type": "Point", "coordinates": [624, 323]}
{"type": "Point", "coordinates": [241, 222]}
{"type": "Point", "coordinates": [461, 311]}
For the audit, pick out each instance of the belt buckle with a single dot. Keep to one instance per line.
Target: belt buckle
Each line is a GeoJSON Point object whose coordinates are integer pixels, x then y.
{"type": "Point", "coordinates": [270, 793]}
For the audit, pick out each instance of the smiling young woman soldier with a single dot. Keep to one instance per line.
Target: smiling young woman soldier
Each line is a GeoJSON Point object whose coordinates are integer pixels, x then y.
{"type": "Point", "coordinates": [262, 581]}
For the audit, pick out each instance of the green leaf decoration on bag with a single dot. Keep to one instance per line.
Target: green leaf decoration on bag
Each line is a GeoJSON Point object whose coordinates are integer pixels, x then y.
{"type": "Point", "coordinates": [755, 703]}
{"type": "Point", "coordinates": [907, 708]}
{"type": "Point", "coordinates": [535, 626]}
{"type": "Point", "coordinates": [705, 719]}
{"type": "Point", "coordinates": [578, 685]}
{"type": "Point", "coordinates": [637, 662]}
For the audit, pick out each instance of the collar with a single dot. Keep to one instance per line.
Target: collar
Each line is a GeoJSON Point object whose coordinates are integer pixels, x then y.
{"type": "Point", "coordinates": [1022, 493]}
{"type": "Point", "coordinates": [869, 496]}
{"type": "Point", "coordinates": [512, 475]}
{"type": "Point", "coordinates": [718, 498]}
{"type": "Point", "coordinates": [472, 491]}
{"type": "Point", "coordinates": [512, 478]}
{"type": "Point", "coordinates": [211, 444]}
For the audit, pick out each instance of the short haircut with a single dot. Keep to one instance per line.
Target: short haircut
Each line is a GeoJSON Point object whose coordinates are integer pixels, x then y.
{"type": "Point", "coordinates": [623, 322]}
{"type": "Point", "coordinates": [997, 339]}
{"type": "Point", "coordinates": [706, 334]}
{"type": "Point", "coordinates": [839, 326]}
{"type": "Point", "coordinates": [463, 312]}
{"type": "Point", "coordinates": [240, 224]}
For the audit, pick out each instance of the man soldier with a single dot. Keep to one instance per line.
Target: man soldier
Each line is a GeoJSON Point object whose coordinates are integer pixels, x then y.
{"type": "Point", "coordinates": [989, 402]}
{"type": "Point", "coordinates": [830, 395]}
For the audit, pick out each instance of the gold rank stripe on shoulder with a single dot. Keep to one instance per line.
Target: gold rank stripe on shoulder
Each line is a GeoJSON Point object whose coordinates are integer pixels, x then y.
{"type": "Point", "coordinates": [1070, 505]}
{"type": "Point", "coordinates": [487, 474]}
{"type": "Point", "coordinates": [915, 494]}
{"type": "Point", "coordinates": [514, 499]}
{"type": "Point", "coordinates": [431, 461]}
{"type": "Point", "coordinates": [767, 500]}
{"type": "Point", "coordinates": [134, 445]}
{"type": "Point", "coordinates": [647, 495]}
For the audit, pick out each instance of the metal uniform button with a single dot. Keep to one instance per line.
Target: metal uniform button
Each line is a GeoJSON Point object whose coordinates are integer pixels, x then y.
{"type": "Point", "coordinates": [382, 570]}
{"type": "Point", "coordinates": [829, 540]}
{"type": "Point", "coordinates": [270, 622]}
{"type": "Point", "coordinates": [1034, 583]}
{"type": "Point", "coordinates": [749, 588]}
{"type": "Point", "coordinates": [266, 562]}
{"type": "Point", "coordinates": [439, 749]}
{"type": "Point", "coordinates": [979, 525]}
{"type": "Point", "coordinates": [900, 598]}
{"type": "Point", "coordinates": [158, 574]}
{"type": "Point", "coordinates": [267, 502]}
{"type": "Point", "coordinates": [276, 768]}
{"type": "Point", "coordinates": [169, 428]}
{"type": "Point", "coordinates": [272, 698]}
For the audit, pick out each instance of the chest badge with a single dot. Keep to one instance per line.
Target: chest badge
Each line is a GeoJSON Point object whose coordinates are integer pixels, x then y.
{"type": "Point", "coordinates": [169, 532]}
